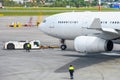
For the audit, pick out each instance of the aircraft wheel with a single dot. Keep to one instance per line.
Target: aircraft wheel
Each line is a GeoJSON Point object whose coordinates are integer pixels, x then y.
{"type": "Point", "coordinates": [10, 46]}
{"type": "Point", "coordinates": [63, 47]}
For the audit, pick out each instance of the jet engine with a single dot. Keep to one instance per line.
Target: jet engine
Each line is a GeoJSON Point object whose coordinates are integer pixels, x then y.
{"type": "Point", "coordinates": [92, 44]}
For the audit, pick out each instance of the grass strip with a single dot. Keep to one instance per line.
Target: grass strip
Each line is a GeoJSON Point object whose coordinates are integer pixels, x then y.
{"type": "Point", "coordinates": [57, 8]}
{"type": "Point", "coordinates": [12, 11]}
{"type": "Point", "coordinates": [27, 13]}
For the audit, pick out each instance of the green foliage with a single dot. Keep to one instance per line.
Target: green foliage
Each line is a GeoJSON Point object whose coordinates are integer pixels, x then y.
{"type": "Point", "coordinates": [10, 3]}
{"type": "Point", "coordinates": [59, 3]}
{"type": "Point", "coordinates": [52, 3]}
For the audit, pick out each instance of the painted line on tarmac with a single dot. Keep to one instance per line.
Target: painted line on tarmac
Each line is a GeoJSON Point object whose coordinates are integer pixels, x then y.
{"type": "Point", "coordinates": [1, 15]}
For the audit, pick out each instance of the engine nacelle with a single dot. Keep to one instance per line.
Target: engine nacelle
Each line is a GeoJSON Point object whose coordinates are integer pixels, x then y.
{"type": "Point", "coordinates": [92, 44]}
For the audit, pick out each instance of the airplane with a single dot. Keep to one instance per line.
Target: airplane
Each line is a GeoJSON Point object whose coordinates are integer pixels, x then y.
{"type": "Point", "coordinates": [91, 31]}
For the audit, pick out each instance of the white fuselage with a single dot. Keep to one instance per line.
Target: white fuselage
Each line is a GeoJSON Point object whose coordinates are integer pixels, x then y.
{"type": "Point", "coordinates": [72, 24]}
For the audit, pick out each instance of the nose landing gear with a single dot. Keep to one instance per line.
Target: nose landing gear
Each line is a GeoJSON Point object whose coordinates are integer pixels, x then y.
{"type": "Point", "coordinates": [63, 45]}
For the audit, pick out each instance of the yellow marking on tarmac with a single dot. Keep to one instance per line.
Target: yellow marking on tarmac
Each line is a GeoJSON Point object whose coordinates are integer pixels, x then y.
{"type": "Point", "coordinates": [1, 15]}
{"type": "Point", "coordinates": [39, 19]}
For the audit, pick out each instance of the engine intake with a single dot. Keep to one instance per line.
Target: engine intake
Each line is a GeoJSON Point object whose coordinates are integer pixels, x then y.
{"type": "Point", "coordinates": [92, 44]}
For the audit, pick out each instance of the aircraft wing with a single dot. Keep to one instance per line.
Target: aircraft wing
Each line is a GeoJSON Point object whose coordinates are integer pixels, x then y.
{"type": "Point", "coordinates": [96, 24]}
{"type": "Point", "coordinates": [110, 30]}
{"type": "Point", "coordinates": [107, 33]}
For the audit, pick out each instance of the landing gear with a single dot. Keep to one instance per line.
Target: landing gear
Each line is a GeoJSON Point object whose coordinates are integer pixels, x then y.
{"type": "Point", "coordinates": [63, 45]}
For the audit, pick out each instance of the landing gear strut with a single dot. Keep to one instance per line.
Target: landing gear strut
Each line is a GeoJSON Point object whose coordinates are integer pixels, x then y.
{"type": "Point", "coordinates": [63, 45]}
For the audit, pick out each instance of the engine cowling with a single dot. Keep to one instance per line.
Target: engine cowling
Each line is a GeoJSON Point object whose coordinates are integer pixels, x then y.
{"type": "Point", "coordinates": [92, 44]}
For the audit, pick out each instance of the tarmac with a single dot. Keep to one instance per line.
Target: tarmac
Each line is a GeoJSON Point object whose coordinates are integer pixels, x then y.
{"type": "Point", "coordinates": [51, 64]}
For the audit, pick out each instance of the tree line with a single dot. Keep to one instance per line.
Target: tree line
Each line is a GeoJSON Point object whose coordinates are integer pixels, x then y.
{"type": "Point", "coordinates": [51, 3]}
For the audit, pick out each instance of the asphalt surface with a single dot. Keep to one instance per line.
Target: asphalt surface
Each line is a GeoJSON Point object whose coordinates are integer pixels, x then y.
{"type": "Point", "coordinates": [51, 64]}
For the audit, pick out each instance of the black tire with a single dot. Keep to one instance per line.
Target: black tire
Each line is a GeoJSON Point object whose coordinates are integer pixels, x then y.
{"type": "Point", "coordinates": [63, 47]}
{"type": "Point", "coordinates": [10, 46]}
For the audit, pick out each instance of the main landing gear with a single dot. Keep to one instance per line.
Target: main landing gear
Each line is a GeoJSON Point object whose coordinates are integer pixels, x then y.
{"type": "Point", "coordinates": [63, 45]}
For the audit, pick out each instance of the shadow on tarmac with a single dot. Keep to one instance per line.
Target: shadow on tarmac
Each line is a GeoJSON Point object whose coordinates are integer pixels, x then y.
{"type": "Point", "coordinates": [86, 60]}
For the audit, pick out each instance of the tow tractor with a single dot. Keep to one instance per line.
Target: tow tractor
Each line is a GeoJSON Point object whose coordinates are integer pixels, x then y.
{"type": "Point", "coordinates": [11, 45]}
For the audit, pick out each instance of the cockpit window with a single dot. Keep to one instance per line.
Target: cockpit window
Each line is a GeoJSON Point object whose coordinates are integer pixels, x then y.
{"type": "Point", "coordinates": [44, 21]}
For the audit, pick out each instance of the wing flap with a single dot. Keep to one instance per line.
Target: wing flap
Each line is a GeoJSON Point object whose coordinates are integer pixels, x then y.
{"type": "Point", "coordinates": [110, 30]}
